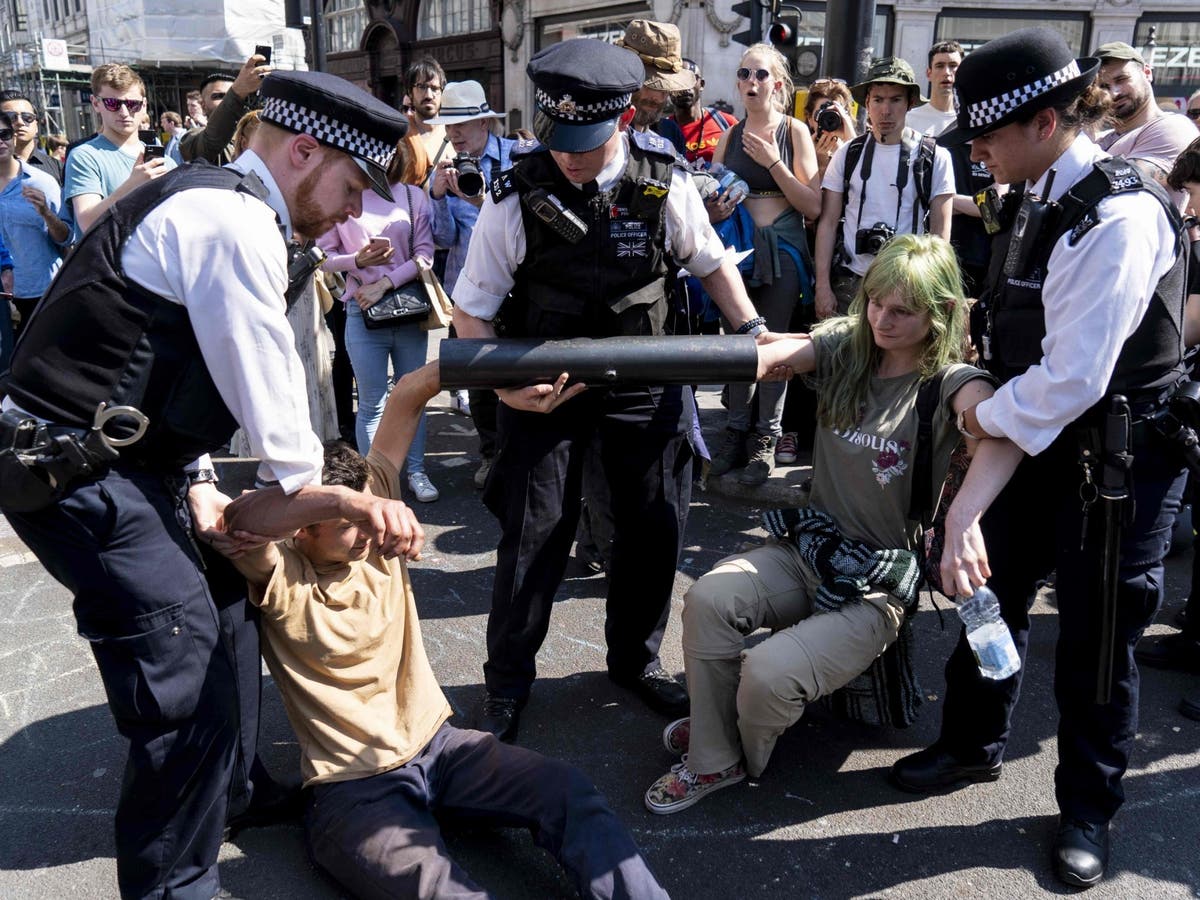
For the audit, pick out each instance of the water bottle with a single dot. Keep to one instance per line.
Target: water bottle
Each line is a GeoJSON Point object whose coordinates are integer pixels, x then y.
{"type": "Point", "coordinates": [989, 637]}
{"type": "Point", "coordinates": [730, 182]}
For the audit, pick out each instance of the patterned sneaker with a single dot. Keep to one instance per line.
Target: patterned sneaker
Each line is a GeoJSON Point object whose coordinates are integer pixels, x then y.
{"type": "Point", "coordinates": [677, 736]}
{"type": "Point", "coordinates": [731, 455]}
{"type": "Point", "coordinates": [422, 487]}
{"type": "Point", "coordinates": [681, 787]}
{"type": "Point", "coordinates": [762, 460]}
{"type": "Point", "coordinates": [785, 450]}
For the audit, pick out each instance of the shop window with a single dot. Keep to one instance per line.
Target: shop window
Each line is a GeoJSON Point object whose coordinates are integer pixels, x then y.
{"type": "Point", "coordinates": [442, 18]}
{"type": "Point", "coordinates": [345, 21]}
{"type": "Point", "coordinates": [973, 28]}
{"type": "Point", "coordinates": [1175, 55]}
{"type": "Point", "coordinates": [606, 24]}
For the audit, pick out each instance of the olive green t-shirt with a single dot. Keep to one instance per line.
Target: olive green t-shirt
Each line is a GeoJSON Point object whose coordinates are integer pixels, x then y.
{"type": "Point", "coordinates": [862, 476]}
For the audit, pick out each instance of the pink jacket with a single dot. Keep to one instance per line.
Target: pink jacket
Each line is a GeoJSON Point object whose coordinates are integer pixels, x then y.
{"type": "Point", "coordinates": [391, 220]}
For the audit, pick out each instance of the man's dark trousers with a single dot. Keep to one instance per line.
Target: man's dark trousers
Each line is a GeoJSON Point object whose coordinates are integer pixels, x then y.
{"type": "Point", "coordinates": [535, 491]}
{"type": "Point", "coordinates": [179, 661]}
{"type": "Point", "coordinates": [1034, 528]}
{"type": "Point", "coordinates": [380, 836]}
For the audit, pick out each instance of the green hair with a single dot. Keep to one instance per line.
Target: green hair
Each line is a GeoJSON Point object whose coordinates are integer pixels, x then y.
{"type": "Point", "coordinates": [924, 270]}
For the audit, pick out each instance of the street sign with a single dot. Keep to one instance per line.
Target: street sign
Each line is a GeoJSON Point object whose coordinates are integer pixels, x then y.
{"type": "Point", "coordinates": [54, 54]}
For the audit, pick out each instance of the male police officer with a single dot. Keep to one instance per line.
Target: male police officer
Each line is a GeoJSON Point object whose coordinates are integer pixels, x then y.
{"type": "Point", "coordinates": [163, 332]}
{"type": "Point", "coordinates": [1084, 301]}
{"type": "Point", "coordinates": [584, 230]}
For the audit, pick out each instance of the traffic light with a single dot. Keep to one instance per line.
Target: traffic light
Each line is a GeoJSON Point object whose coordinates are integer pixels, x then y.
{"type": "Point", "coordinates": [752, 10]}
{"type": "Point", "coordinates": [785, 33]}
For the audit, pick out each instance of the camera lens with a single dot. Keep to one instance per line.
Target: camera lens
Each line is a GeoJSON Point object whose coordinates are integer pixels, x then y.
{"type": "Point", "coordinates": [470, 179]}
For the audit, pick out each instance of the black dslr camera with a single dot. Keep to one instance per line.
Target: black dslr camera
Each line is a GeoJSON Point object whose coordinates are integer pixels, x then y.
{"type": "Point", "coordinates": [828, 118]}
{"type": "Point", "coordinates": [470, 179]}
{"type": "Point", "coordinates": [872, 240]}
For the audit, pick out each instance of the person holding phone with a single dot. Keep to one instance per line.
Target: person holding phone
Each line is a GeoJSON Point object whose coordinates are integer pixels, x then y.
{"type": "Point", "coordinates": [224, 99]}
{"type": "Point", "coordinates": [106, 168]}
{"type": "Point", "coordinates": [372, 251]}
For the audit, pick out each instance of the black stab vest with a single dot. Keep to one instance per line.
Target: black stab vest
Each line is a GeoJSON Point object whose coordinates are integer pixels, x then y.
{"type": "Point", "coordinates": [98, 337]}
{"type": "Point", "coordinates": [612, 282]}
{"type": "Point", "coordinates": [1014, 317]}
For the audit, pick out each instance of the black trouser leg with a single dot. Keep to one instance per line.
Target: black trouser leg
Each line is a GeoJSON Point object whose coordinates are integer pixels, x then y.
{"type": "Point", "coordinates": [343, 372]}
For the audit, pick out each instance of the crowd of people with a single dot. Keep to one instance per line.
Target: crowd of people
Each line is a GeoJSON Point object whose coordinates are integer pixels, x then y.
{"type": "Point", "coordinates": [993, 282]}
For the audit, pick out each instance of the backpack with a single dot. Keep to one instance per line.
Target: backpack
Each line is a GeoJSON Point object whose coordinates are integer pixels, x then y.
{"type": "Point", "coordinates": [922, 169]}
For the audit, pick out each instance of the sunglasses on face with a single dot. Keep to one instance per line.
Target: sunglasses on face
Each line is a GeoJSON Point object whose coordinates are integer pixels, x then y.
{"type": "Point", "coordinates": [1194, 114]}
{"type": "Point", "coordinates": [744, 74]}
{"type": "Point", "coordinates": [6, 134]}
{"type": "Point", "coordinates": [112, 104]}
{"type": "Point", "coordinates": [14, 117]}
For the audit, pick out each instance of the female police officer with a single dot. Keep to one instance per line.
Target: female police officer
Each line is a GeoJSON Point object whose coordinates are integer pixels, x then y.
{"type": "Point", "coordinates": [583, 231]}
{"type": "Point", "coordinates": [1083, 302]}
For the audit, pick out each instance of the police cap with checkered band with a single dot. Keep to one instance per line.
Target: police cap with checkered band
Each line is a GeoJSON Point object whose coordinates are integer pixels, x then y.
{"type": "Point", "coordinates": [338, 115]}
{"type": "Point", "coordinates": [581, 87]}
{"type": "Point", "coordinates": [1013, 76]}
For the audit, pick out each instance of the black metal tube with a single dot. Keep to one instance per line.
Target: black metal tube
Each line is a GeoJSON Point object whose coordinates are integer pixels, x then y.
{"type": "Point", "coordinates": [710, 359]}
{"type": "Point", "coordinates": [848, 50]}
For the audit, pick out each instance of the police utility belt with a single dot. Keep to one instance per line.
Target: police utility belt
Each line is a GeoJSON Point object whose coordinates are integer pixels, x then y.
{"type": "Point", "coordinates": [40, 461]}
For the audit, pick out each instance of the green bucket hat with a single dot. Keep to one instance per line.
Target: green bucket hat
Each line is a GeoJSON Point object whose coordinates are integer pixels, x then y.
{"type": "Point", "coordinates": [889, 70]}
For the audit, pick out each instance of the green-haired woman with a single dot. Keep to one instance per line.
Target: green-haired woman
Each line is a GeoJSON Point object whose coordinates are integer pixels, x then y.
{"type": "Point", "coordinates": [834, 590]}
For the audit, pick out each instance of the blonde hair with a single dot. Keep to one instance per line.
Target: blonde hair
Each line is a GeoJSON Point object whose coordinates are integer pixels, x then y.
{"type": "Point", "coordinates": [924, 270]}
{"type": "Point", "coordinates": [118, 76]}
{"type": "Point", "coordinates": [246, 126]}
{"type": "Point", "coordinates": [777, 65]}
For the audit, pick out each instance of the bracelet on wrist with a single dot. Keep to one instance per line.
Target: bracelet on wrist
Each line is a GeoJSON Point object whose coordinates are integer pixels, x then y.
{"type": "Point", "coordinates": [749, 325]}
{"type": "Point", "coordinates": [202, 476]}
{"type": "Point", "coordinates": [778, 160]}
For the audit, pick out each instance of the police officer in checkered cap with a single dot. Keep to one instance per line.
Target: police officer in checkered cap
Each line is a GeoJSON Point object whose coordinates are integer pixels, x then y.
{"type": "Point", "coordinates": [578, 239]}
{"type": "Point", "coordinates": [165, 330]}
{"type": "Point", "coordinates": [1083, 302]}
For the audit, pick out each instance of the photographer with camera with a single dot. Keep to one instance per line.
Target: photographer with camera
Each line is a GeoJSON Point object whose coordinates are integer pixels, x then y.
{"type": "Point", "coordinates": [827, 112]}
{"type": "Point", "coordinates": [457, 191]}
{"type": "Point", "coordinates": [1081, 320]}
{"type": "Point", "coordinates": [885, 182]}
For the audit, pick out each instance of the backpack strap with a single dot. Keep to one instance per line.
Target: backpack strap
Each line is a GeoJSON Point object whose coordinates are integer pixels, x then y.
{"type": "Point", "coordinates": [854, 151]}
{"type": "Point", "coordinates": [719, 118]}
{"type": "Point", "coordinates": [923, 177]}
{"type": "Point", "coordinates": [920, 509]}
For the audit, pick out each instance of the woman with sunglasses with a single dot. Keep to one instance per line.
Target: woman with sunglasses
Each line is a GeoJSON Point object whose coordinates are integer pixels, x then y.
{"type": "Point", "coordinates": [774, 154]}
{"type": "Point", "coordinates": [102, 170]}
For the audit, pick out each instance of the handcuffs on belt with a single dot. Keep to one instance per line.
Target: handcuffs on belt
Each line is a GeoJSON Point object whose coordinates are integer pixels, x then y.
{"type": "Point", "coordinates": [38, 460]}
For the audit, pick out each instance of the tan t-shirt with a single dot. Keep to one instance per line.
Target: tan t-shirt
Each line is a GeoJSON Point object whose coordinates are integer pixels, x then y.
{"type": "Point", "coordinates": [344, 645]}
{"type": "Point", "coordinates": [862, 476]}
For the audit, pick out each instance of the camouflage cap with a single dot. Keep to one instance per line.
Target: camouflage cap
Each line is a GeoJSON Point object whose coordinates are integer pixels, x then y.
{"type": "Point", "coordinates": [889, 70]}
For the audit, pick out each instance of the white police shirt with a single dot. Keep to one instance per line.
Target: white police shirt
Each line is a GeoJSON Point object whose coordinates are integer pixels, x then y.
{"type": "Point", "coordinates": [498, 243]}
{"type": "Point", "coordinates": [1095, 294]}
{"type": "Point", "coordinates": [220, 254]}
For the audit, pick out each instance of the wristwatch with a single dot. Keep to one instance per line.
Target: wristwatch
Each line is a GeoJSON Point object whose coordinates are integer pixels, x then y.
{"type": "Point", "coordinates": [961, 422]}
{"type": "Point", "coordinates": [202, 476]}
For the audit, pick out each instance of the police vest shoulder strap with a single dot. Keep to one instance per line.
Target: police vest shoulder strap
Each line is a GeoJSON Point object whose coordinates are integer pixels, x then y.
{"type": "Point", "coordinates": [1108, 177]}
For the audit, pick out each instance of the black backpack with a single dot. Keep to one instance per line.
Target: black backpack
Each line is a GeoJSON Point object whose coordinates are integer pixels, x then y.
{"type": "Point", "coordinates": [922, 168]}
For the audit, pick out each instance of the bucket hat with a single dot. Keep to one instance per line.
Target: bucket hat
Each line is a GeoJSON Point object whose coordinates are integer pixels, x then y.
{"type": "Point", "coordinates": [889, 70]}
{"type": "Point", "coordinates": [658, 45]}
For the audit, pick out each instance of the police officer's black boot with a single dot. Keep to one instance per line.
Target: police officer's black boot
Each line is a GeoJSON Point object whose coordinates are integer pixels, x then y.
{"type": "Point", "coordinates": [1080, 852]}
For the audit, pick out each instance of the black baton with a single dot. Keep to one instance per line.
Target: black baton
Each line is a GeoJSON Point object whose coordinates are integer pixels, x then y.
{"type": "Point", "coordinates": [1114, 494]}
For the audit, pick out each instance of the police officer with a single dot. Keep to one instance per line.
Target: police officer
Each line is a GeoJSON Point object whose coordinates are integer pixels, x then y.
{"type": "Point", "coordinates": [1083, 302]}
{"type": "Point", "coordinates": [163, 332]}
{"type": "Point", "coordinates": [584, 230]}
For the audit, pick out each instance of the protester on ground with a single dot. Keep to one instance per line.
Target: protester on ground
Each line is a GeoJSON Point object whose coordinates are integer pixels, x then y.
{"type": "Point", "coordinates": [774, 153]}
{"type": "Point", "coordinates": [373, 252]}
{"type": "Point", "coordinates": [885, 193]}
{"type": "Point", "coordinates": [657, 44]}
{"type": "Point", "coordinates": [379, 758]}
{"type": "Point", "coordinates": [224, 99]}
{"type": "Point", "coordinates": [107, 167]}
{"type": "Point", "coordinates": [470, 125]}
{"type": "Point", "coordinates": [182, 318]}
{"type": "Point", "coordinates": [534, 489]}
{"type": "Point", "coordinates": [1088, 307]}
{"type": "Point", "coordinates": [906, 327]}
{"type": "Point", "coordinates": [701, 126]}
{"type": "Point", "coordinates": [30, 224]}
{"type": "Point", "coordinates": [23, 117]}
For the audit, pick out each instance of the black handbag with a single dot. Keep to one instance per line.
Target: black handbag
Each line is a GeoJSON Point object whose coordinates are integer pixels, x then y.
{"type": "Point", "coordinates": [407, 303]}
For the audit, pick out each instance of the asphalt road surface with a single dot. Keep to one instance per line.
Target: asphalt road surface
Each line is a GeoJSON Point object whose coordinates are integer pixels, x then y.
{"type": "Point", "coordinates": [822, 822]}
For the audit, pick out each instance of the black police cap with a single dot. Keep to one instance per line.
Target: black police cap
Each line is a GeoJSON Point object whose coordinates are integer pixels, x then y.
{"type": "Point", "coordinates": [338, 115]}
{"type": "Point", "coordinates": [581, 87]}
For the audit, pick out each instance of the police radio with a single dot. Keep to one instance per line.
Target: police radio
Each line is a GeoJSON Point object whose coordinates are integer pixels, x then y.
{"type": "Point", "coordinates": [550, 210]}
{"type": "Point", "coordinates": [1034, 218]}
